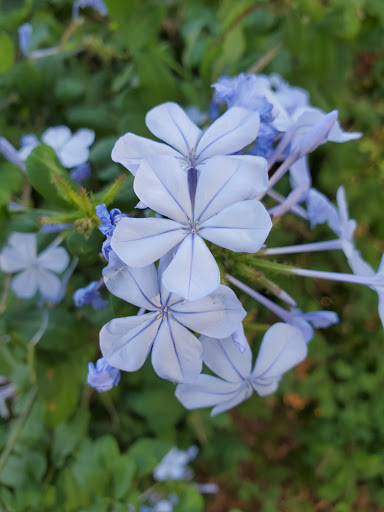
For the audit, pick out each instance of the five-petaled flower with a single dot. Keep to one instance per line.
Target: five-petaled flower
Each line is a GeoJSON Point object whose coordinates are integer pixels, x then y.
{"type": "Point", "coordinates": [34, 272]}
{"type": "Point", "coordinates": [176, 352]}
{"type": "Point", "coordinates": [222, 209]}
{"type": "Point", "coordinates": [283, 346]}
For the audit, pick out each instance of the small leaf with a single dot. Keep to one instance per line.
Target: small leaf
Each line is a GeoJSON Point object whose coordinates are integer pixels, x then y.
{"type": "Point", "coordinates": [7, 52]}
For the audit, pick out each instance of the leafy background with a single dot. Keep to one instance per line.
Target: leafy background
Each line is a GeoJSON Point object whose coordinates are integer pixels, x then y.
{"type": "Point", "coordinates": [318, 443]}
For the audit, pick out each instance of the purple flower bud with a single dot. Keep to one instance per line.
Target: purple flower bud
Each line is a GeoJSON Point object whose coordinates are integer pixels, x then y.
{"type": "Point", "coordinates": [102, 377]}
{"type": "Point", "coordinates": [90, 295]}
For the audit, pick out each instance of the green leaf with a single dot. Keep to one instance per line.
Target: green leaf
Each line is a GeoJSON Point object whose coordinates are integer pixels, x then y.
{"type": "Point", "coordinates": [67, 436]}
{"type": "Point", "coordinates": [190, 501]}
{"type": "Point", "coordinates": [7, 52]}
{"type": "Point", "coordinates": [123, 469]}
{"type": "Point", "coordinates": [147, 453]}
{"type": "Point", "coordinates": [11, 179]}
{"type": "Point", "coordinates": [87, 250]}
{"type": "Point", "coordinates": [42, 166]}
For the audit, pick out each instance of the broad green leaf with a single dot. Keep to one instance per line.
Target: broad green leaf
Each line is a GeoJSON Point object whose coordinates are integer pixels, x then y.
{"type": "Point", "coordinates": [123, 469]}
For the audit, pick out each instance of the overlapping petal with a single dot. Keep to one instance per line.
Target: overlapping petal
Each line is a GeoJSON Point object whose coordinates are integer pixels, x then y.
{"type": "Point", "coordinates": [226, 181]}
{"type": "Point", "coordinates": [193, 272]}
{"type": "Point", "coordinates": [216, 315]}
{"type": "Point", "coordinates": [56, 136]}
{"type": "Point", "coordinates": [20, 254]}
{"type": "Point", "coordinates": [224, 358]}
{"type": "Point", "coordinates": [206, 391]}
{"type": "Point", "coordinates": [76, 150]}
{"type": "Point", "coordinates": [140, 242]}
{"type": "Point", "coordinates": [130, 149]}
{"type": "Point", "coordinates": [171, 124]}
{"type": "Point", "coordinates": [176, 353]}
{"type": "Point", "coordinates": [230, 133]}
{"type": "Point", "coordinates": [163, 186]}
{"type": "Point", "coordinates": [241, 227]}
{"type": "Point", "coordinates": [126, 342]}
{"type": "Point", "coordinates": [137, 285]}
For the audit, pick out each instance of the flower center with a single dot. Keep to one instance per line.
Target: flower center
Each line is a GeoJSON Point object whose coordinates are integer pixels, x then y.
{"type": "Point", "coordinates": [164, 313]}
{"type": "Point", "coordinates": [192, 226]}
{"type": "Point", "coordinates": [192, 158]}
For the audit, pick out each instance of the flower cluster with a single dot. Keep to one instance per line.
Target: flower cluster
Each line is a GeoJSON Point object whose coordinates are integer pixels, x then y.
{"type": "Point", "coordinates": [208, 185]}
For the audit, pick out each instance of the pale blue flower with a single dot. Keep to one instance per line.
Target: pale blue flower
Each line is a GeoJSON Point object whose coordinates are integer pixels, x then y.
{"type": "Point", "coordinates": [282, 347]}
{"type": "Point", "coordinates": [174, 466]}
{"type": "Point", "coordinates": [81, 173]}
{"type": "Point", "coordinates": [11, 154]}
{"type": "Point", "coordinates": [48, 227]}
{"type": "Point", "coordinates": [98, 5]}
{"type": "Point", "coordinates": [90, 295]}
{"type": "Point", "coordinates": [35, 273]}
{"type": "Point", "coordinates": [71, 149]}
{"type": "Point", "coordinates": [247, 91]}
{"type": "Point", "coordinates": [224, 211]}
{"type": "Point", "coordinates": [321, 210]}
{"type": "Point", "coordinates": [25, 37]}
{"type": "Point", "coordinates": [102, 377]}
{"type": "Point", "coordinates": [311, 319]}
{"type": "Point", "coordinates": [176, 352]}
{"type": "Point", "coordinates": [107, 226]}
{"type": "Point", "coordinates": [7, 391]}
{"type": "Point", "coordinates": [186, 142]}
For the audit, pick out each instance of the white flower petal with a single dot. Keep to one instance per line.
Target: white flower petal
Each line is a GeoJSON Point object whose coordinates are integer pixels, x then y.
{"type": "Point", "coordinates": [163, 186]}
{"type": "Point", "coordinates": [54, 258]}
{"type": "Point", "coordinates": [140, 242]}
{"type": "Point", "coordinates": [20, 254]}
{"type": "Point", "coordinates": [171, 124]}
{"type": "Point", "coordinates": [193, 273]}
{"type": "Point", "coordinates": [177, 353]}
{"type": "Point", "coordinates": [230, 133]}
{"type": "Point", "coordinates": [76, 150]}
{"type": "Point", "coordinates": [130, 150]}
{"type": "Point", "coordinates": [25, 284]}
{"type": "Point", "coordinates": [135, 285]}
{"type": "Point", "coordinates": [56, 136]}
{"type": "Point", "coordinates": [217, 315]}
{"type": "Point", "coordinates": [244, 392]}
{"type": "Point", "coordinates": [126, 342]}
{"type": "Point", "coordinates": [224, 181]}
{"type": "Point", "coordinates": [223, 357]}
{"type": "Point", "coordinates": [282, 348]}
{"type": "Point", "coordinates": [206, 391]}
{"type": "Point", "coordinates": [241, 227]}
{"type": "Point", "coordinates": [50, 286]}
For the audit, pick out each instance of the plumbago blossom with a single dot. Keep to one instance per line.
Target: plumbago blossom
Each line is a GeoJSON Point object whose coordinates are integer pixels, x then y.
{"type": "Point", "coordinates": [219, 206]}
{"type": "Point", "coordinates": [208, 185]}
{"type": "Point", "coordinates": [176, 352]}
{"type": "Point", "coordinates": [34, 272]}
{"type": "Point", "coordinates": [283, 346]}
{"type": "Point", "coordinates": [72, 150]}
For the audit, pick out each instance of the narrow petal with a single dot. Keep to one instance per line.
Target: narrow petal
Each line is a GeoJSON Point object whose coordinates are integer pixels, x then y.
{"type": "Point", "coordinates": [241, 227]}
{"type": "Point", "coordinates": [50, 286]}
{"type": "Point", "coordinates": [206, 391]}
{"type": "Point", "coordinates": [25, 284]}
{"type": "Point", "coordinates": [225, 181]}
{"type": "Point", "coordinates": [282, 348]}
{"type": "Point", "coordinates": [230, 133]}
{"type": "Point", "coordinates": [217, 315]}
{"type": "Point", "coordinates": [54, 258]}
{"type": "Point", "coordinates": [56, 136]}
{"type": "Point", "coordinates": [171, 124]}
{"type": "Point", "coordinates": [137, 285]}
{"type": "Point", "coordinates": [130, 149]}
{"type": "Point", "coordinates": [167, 298]}
{"type": "Point", "coordinates": [163, 186]}
{"type": "Point", "coordinates": [177, 353]}
{"type": "Point", "coordinates": [126, 342]}
{"type": "Point", "coordinates": [140, 242]}
{"type": "Point", "coordinates": [193, 273]}
{"type": "Point", "coordinates": [76, 150]}
{"type": "Point", "coordinates": [225, 359]}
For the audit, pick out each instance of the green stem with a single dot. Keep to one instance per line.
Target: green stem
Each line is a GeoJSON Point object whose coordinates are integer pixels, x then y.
{"type": "Point", "coordinates": [270, 265]}
{"type": "Point", "coordinates": [18, 427]}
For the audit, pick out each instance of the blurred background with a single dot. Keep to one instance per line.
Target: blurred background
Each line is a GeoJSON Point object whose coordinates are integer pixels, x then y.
{"type": "Point", "coordinates": [315, 445]}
